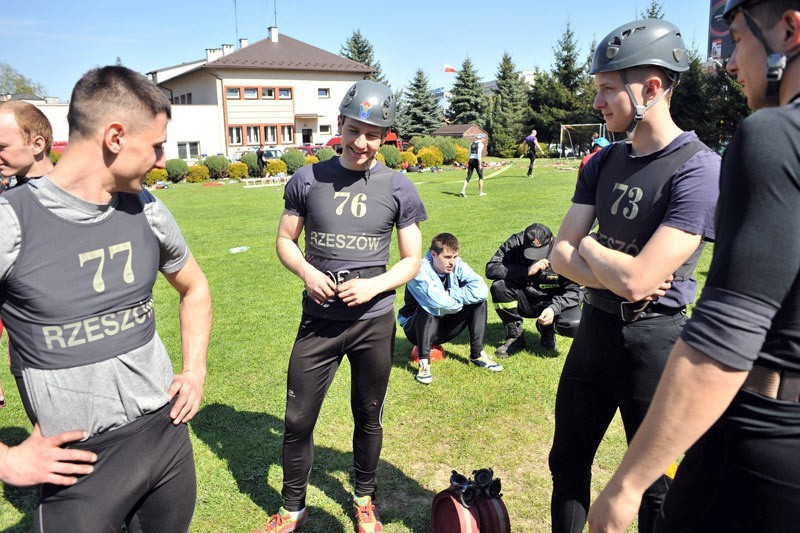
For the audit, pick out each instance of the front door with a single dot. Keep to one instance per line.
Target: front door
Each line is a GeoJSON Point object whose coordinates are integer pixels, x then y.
{"type": "Point", "coordinates": [307, 136]}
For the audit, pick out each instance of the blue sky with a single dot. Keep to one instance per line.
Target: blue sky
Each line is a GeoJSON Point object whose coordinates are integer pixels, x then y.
{"type": "Point", "coordinates": [54, 43]}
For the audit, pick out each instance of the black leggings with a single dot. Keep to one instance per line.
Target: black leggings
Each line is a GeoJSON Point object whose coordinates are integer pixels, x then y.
{"type": "Point", "coordinates": [611, 364]}
{"type": "Point", "coordinates": [144, 477]}
{"type": "Point", "coordinates": [474, 164]}
{"type": "Point", "coordinates": [318, 350]}
{"type": "Point", "coordinates": [425, 330]}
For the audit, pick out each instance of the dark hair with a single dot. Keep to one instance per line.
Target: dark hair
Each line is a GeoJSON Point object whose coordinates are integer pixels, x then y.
{"type": "Point", "coordinates": [113, 91]}
{"type": "Point", "coordinates": [30, 121]}
{"type": "Point", "coordinates": [769, 13]}
{"type": "Point", "coordinates": [444, 240]}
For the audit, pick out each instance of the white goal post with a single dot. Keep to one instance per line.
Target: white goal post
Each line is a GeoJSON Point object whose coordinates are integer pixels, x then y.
{"type": "Point", "coordinates": [575, 140]}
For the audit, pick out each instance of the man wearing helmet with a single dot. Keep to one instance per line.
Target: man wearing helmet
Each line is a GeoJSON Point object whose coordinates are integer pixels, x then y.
{"type": "Point", "coordinates": [597, 144]}
{"type": "Point", "coordinates": [731, 388]}
{"type": "Point", "coordinates": [653, 197]}
{"type": "Point", "coordinates": [347, 207]}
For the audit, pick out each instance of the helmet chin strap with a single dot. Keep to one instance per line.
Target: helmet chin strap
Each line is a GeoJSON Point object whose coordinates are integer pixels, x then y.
{"type": "Point", "coordinates": [639, 109]}
{"type": "Point", "coordinates": [776, 63]}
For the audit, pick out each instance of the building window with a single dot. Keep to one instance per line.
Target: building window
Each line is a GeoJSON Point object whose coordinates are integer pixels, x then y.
{"type": "Point", "coordinates": [250, 93]}
{"type": "Point", "coordinates": [324, 93]}
{"type": "Point", "coordinates": [267, 93]}
{"type": "Point", "coordinates": [271, 134]}
{"type": "Point", "coordinates": [233, 93]}
{"type": "Point", "coordinates": [253, 136]}
{"type": "Point", "coordinates": [285, 93]}
{"type": "Point", "coordinates": [235, 135]}
{"type": "Point", "coordinates": [287, 134]}
{"type": "Point", "coordinates": [188, 150]}
{"type": "Point", "coordinates": [325, 129]}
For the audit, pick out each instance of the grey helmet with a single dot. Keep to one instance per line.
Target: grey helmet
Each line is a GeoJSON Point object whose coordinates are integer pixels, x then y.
{"type": "Point", "coordinates": [370, 102]}
{"type": "Point", "coordinates": [646, 42]}
{"type": "Point", "coordinates": [642, 42]}
{"type": "Point", "coordinates": [731, 6]}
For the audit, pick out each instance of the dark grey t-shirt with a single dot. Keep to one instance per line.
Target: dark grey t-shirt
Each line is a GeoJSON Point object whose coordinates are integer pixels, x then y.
{"type": "Point", "coordinates": [349, 217]}
{"type": "Point", "coordinates": [630, 206]}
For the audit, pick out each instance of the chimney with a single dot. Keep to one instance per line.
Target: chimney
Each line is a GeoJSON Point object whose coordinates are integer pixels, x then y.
{"type": "Point", "coordinates": [227, 49]}
{"type": "Point", "coordinates": [242, 43]}
{"type": "Point", "coordinates": [212, 54]}
{"type": "Point", "coordinates": [273, 34]}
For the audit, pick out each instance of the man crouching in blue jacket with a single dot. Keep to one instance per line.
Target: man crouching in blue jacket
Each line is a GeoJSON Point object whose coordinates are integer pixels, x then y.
{"type": "Point", "coordinates": [445, 297]}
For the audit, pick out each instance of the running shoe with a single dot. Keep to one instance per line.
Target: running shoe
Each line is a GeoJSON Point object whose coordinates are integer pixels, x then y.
{"type": "Point", "coordinates": [485, 361]}
{"type": "Point", "coordinates": [367, 520]}
{"type": "Point", "coordinates": [283, 522]}
{"type": "Point", "coordinates": [424, 374]}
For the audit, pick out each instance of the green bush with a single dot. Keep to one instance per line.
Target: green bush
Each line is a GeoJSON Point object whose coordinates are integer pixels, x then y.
{"type": "Point", "coordinates": [157, 174]}
{"type": "Point", "coordinates": [218, 166]}
{"type": "Point", "coordinates": [294, 159]}
{"type": "Point", "coordinates": [419, 142]}
{"type": "Point", "coordinates": [380, 157]}
{"type": "Point", "coordinates": [238, 170]}
{"type": "Point", "coordinates": [177, 170]}
{"type": "Point", "coordinates": [198, 174]}
{"type": "Point", "coordinates": [311, 159]}
{"type": "Point", "coordinates": [391, 155]}
{"type": "Point", "coordinates": [323, 154]}
{"type": "Point", "coordinates": [430, 156]}
{"type": "Point", "coordinates": [276, 166]}
{"type": "Point", "coordinates": [251, 161]}
{"type": "Point", "coordinates": [462, 154]}
{"type": "Point", "coordinates": [447, 147]}
{"type": "Point", "coordinates": [54, 157]}
{"type": "Point", "coordinates": [463, 142]}
{"type": "Point", "coordinates": [408, 157]}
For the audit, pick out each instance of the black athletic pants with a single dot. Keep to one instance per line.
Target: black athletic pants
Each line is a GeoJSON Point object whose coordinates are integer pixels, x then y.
{"type": "Point", "coordinates": [506, 291]}
{"type": "Point", "coordinates": [144, 477]}
{"type": "Point", "coordinates": [532, 157]}
{"type": "Point", "coordinates": [425, 330]}
{"type": "Point", "coordinates": [740, 477]}
{"type": "Point", "coordinates": [474, 164]}
{"type": "Point", "coordinates": [611, 364]}
{"type": "Point", "coordinates": [318, 351]}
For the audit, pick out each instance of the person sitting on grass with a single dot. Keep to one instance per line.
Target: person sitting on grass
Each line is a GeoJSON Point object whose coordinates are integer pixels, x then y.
{"type": "Point", "coordinates": [444, 298]}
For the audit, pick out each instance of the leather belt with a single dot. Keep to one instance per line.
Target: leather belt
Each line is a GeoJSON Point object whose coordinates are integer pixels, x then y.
{"type": "Point", "coordinates": [775, 384]}
{"type": "Point", "coordinates": [629, 311]}
{"type": "Point", "coordinates": [346, 275]}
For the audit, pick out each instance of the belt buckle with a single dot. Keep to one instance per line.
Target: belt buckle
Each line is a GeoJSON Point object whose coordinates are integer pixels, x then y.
{"type": "Point", "coordinates": [337, 277]}
{"type": "Point", "coordinates": [629, 313]}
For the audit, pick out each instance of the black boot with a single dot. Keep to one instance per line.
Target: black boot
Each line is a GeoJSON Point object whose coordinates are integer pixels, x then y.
{"type": "Point", "coordinates": [515, 340]}
{"type": "Point", "coordinates": [548, 337]}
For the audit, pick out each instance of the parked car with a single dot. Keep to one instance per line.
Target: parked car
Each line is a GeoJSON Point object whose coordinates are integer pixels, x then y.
{"type": "Point", "coordinates": [309, 149]}
{"type": "Point", "coordinates": [269, 153]}
{"type": "Point", "coordinates": [555, 150]}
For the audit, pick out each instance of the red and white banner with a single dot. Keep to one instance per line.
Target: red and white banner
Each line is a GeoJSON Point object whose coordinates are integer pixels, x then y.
{"type": "Point", "coordinates": [449, 68]}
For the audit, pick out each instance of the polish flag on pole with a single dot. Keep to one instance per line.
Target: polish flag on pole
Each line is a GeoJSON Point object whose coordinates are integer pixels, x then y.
{"type": "Point", "coordinates": [449, 68]}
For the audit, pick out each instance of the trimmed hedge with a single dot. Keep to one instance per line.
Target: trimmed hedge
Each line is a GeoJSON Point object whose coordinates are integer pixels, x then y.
{"type": "Point", "coordinates": [447, 147]}
{"type": "Point", "coordinates": [177, 170]}
{"type": "Point", "coordinates": [251, 161]}
{"type": "Point", "coordinates": [198, 174]}
{"type": "Point", "coordinates": [391, 156]}
{"type": "Point", "coordinates": [157, 174]}
{"type": "Point", "coordinates": [430, 156]}
{"type": "Point", "coordinates": [238, 170]}
{"type": "Point", "coordinates": [294, 159]}
{"type": "Point", "coordinates": [408, 157]}
{"type": "Point", "coordinates": [323, 154]}
{"type": "Point", "coordinates": [276, 166]}
{"type": "Point", "coordinates": [462, 154]}
{"type": "Point", "coordinates": [218, 166]}
{"type": "Point", "coordinates": [311, 159]}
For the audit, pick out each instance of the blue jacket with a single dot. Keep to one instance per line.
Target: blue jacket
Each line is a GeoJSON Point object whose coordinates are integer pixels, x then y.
{"type": "Point", "coordinates": [426, 290]}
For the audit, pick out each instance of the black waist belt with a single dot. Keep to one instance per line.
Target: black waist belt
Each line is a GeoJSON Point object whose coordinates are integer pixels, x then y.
{"type": "Point", "coordinates": [775, 384]}
{"type": "Point", "coordinates": [629, 311]}
{"type": "Point", "coordinates": [346, 275]}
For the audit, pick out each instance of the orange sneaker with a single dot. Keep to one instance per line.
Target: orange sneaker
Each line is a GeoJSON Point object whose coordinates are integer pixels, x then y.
{"type": "Point", "coordinates": [367, 520]}
{"type": "Point", "coordinates": [282, 522]}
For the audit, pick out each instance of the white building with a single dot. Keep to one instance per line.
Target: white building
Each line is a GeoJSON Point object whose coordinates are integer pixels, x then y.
{"type": "Point", "coordinates": [279, 91]}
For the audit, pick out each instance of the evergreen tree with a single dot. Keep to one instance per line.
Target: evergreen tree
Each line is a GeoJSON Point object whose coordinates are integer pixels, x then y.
{"type": "Point", "coordinates": [569, 70]}
{"type": "Point", "coordinates": [467, 103]}
{"type": "Point", "coordinates": [357, 48]}
{"type": "Point", "coordinates": [507, 123]}
{"type": "Point", "coordinates": [12, 82]}
{"type": "Point", "coordinates": [654, 11]}
{"type": "Point", "coordinates": [421, 113]}
{"type": "Point", "coordinates": [401, 121]}
{"type": "Point", "coordinates": [727, 106]}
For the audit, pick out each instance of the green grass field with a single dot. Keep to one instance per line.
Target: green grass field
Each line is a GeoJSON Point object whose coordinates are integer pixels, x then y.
{"type": "Point", "coordinates": [466, 419]}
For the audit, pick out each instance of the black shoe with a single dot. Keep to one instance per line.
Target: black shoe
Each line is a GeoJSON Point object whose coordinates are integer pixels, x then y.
{"type": "Point", "coordinates": [510, 347]}
{"type": "Point", "coordinates": [548, 340]}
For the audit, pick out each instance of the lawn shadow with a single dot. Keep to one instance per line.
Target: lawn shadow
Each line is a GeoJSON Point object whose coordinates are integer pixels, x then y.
{"type": "Point", "coordinates": [24, 499]}
{"type": "Point", "coordinates": [251, 444]}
